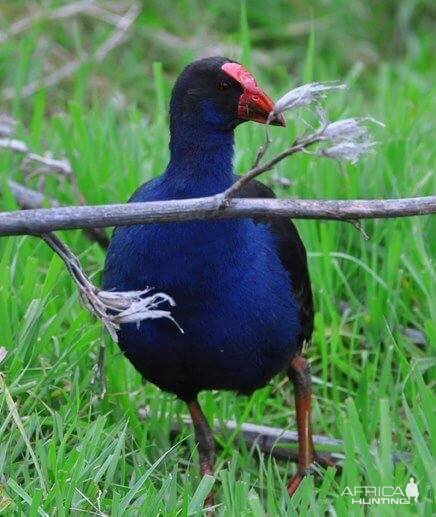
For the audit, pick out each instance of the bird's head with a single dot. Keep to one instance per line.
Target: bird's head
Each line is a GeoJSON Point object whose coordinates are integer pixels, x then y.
{"type": "Point", "coordinates": [219, 93]}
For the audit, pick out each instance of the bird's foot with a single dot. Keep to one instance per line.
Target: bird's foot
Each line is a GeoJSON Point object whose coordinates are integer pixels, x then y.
{"type": "Point", "coordinates": [324, 460]}
{"type": "Point", "coordinates": [294, 482]}
{"type": "Point", "coordinates": [208, 504]}
{"type": "Point", "coordinates": [206, 467]}
{"type": "Point", "coordinates": [297, 478]}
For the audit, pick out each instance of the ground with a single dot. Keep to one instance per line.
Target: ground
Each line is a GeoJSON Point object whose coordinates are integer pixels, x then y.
{"type": "Point", "coordinates": [65, 452]}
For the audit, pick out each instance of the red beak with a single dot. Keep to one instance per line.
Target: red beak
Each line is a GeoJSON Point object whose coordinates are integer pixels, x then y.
{"type": "Point", "coordinates": [254, 103]}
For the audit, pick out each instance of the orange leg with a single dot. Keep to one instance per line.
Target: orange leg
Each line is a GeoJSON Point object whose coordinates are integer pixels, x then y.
{"type": "Point", "coordinates": [299, 374]}
{"type": "Point", "coordinates": [205, 442]}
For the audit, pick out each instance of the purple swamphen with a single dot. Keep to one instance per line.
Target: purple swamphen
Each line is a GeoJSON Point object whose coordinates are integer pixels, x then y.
{"type": "Point", "coordinates": [241, 286]}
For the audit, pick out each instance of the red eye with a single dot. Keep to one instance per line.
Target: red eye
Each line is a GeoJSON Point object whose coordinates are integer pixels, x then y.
{"type": "Point", "coordinates": [224, 85]}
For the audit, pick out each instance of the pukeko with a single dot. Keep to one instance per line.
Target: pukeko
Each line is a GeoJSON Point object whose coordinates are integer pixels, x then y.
{"type": "Point", "coordinates": [242, 286]}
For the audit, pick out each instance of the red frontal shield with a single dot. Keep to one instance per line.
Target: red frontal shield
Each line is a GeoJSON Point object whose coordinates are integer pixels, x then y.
{"type": "Point", "coordinates": [254, 103]}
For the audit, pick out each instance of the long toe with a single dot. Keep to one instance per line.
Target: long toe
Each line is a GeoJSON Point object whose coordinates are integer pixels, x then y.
{"type": "Point", "coordinates": [294, 483]}
{"type": "Point", "coordinates": [324, 460]}
{"type": "Point", "coordinates": [209, 503]}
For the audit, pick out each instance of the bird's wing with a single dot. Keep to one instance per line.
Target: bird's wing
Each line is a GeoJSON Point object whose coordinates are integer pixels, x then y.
{"type": "Point", "coordinates": [292, 253]}
{"type": "Point", "coordinates": [142, 193]}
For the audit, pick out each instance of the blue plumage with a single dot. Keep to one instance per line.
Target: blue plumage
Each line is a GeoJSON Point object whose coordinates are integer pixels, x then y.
{"type": "Point", "coordinates": [234, 296]}
{"type": "Point", "coordinates": [242, 286]}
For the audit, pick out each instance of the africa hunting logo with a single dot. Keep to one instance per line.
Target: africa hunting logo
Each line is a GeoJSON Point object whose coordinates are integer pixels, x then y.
{"type": "Point", "coordinates": [368, 495]}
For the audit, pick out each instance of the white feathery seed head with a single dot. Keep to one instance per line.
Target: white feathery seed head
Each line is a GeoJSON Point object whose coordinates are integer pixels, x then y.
{"type": "Point", "coordinates": [348, 151]}
{"type": "Point", "coordinates": [348, 129]}
{"type": "Point", "coordinates": [7, 125]}
{"type": "Point", "coordinates": [349, 139]}
{"type": "Point", "coordinates": [3, 353]}
{"type": "Point", "coordinates": [304, 96]}
{"type": "Point", "coordinates": [14, 145]}
{"type": "Point", "coordinates": [134, 307]}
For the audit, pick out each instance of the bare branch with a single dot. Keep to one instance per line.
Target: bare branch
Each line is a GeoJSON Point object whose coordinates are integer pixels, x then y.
{"type": "Point", "coordinates": [347, 140]}
{"type": "Point", "coordinates": [18, 146]}
{"type": "Point", "coordinates": [88, 7]}
{"type": "Point", "coordinates": [219, 206]}
{"type": "Point", "coordinates": [120, 33]}
{"type": "Point", "coordinates": [273, 434]}
{"type": "Point", "coordinates": [25, 23]}
{"type": "Point", "coordinates": [7, 126]}
{"type": "Point", "coordinates": [12, 144]}
{"type": "Point", "coordinates": [277, 441]}
{"type": "Point", "coordinates": [112, 308]}
{"type": "Point", "coordinates": [31, 222]}
{"type": "Point", "coordinates": [358, 225]}
{"type": "Point", "coordinates": [28, 198]}
{"type": "Point", "coordinates": [115, 39]}
{"type": "Point", "coordinates": [263, 148]}
{"type": "Point", "coordinates": [267, 166]}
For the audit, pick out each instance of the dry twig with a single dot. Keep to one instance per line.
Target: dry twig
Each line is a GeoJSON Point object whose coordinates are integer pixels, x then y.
{"type": "Point", "coordinates": [28, 198]}
{"type": "Point", "coordinates": [7, 126]}
{"type": "Point", "coordinates": [118, 36]}
{"type": "Point", "coordinates": [31, 222]}
{"type": "Point", "coordinates": [18, 146]}
{"type": "Point", "coordinates": [260, 168]}
{"type": "Point", "coordinates": [346, 139]}
{"type": "Point", "coordinates": [100, 10]}
{"type": "Point", "coordinates": [278, 442]}
{"type": "Point", "coordinates": [112, 308]}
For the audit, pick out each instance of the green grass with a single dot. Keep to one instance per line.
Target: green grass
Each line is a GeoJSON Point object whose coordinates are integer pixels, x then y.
{"type": "Point", "coordinates": [65, 452]}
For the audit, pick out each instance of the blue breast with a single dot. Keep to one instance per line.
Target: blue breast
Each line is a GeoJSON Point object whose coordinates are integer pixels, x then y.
{"type": "Point", "coordinates": [234, 297]}
{"type": "Point", "coordinates": [234, 301]}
